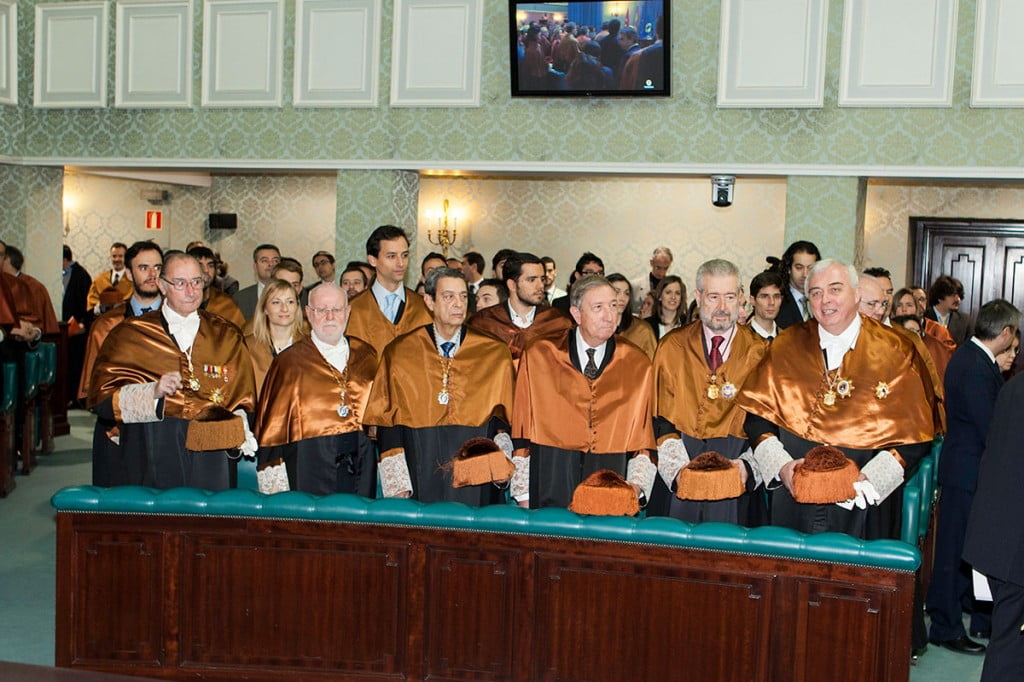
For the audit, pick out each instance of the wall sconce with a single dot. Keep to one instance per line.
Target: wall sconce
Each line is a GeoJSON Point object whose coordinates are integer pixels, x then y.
{"type": "Point", "coordinates": [69, 205]}
{"type": "Point", "coordinates": [445, 238]}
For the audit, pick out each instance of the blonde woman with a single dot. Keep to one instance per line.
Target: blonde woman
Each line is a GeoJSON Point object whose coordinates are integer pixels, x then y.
{"type": "Point", "coordinates": [277, 324]}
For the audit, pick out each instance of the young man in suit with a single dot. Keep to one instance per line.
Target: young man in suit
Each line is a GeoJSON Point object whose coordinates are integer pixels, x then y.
{"type": "Point", "coordinates": [944, 298]}
{"type": "Point", "coordinates": [265, 258]}
{"type": "Point", "coordinates": [796, 263]}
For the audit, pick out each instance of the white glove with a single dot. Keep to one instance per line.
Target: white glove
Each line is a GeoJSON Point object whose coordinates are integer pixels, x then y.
{"type": "Point", "coordinates": [249, 446]}
{"type": "Point", "coordinates": [865, 495]}
{"type": "Point", "coordinates": [504, 441]}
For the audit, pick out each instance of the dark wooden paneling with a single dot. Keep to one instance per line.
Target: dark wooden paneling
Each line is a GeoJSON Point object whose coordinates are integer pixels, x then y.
{"type": "Point", "coordinates": [226, 599]}
{"type": "Point", "coordinates": [272, 615]}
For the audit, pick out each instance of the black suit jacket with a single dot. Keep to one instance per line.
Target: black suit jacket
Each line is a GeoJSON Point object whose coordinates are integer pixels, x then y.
{"type": "Point", "coordinates": [959, 326]}
{"type": "Point", "coordinates": [972, 383]}
{"type": "Point", "coordinates": [75, 294]}
{"type": "Point", "coordinates": [789, 312]}
{"type": "Point", "coordinates": [995, 537]}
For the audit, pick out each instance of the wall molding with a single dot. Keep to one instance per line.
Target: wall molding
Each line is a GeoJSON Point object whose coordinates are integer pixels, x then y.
{"type": "Point", "coordinates": [432, 166]}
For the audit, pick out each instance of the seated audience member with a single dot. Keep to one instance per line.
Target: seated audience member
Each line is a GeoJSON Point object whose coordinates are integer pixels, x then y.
{"type": "Point", "coordinates": [587, 264]}
{"type": "Point", "coordinates": [766, 294]}
{"type": "Point", "coordinates": [41, 309]}
{"type": "Point", "coordinates": [353, 280]}
{"type": "Point", "coordinates": [582, 405]}
{"type": "Point", "coordinates": [629, 327]}
{"type": "Point", "coordinates": [669, 306]}
{"type": "Point", "coordinates": [438, 388]}
{"type": "Point", "coordinates": [310, 417]}
{"type": "Point", "coordinates": [944, 297]}
{"type": "Point", "coordinates": [276, 325]}
{"type": "Point", "coordinates": [796, 262]}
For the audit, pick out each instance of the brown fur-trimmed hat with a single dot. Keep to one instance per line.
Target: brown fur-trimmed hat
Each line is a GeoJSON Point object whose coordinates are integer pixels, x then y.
{"type": "Point", "coordinates": [709, 476]}
{"type": "Point", "coordinates": [214, 428]}
{"type": "Point", "coordinates": [480, 461]}
{"type": "Point", "coordinates": [605, 493]}
{"type": "Point", "coordinates": [111, 296]}
{"type": "Point", "coordinates": [825, 476]}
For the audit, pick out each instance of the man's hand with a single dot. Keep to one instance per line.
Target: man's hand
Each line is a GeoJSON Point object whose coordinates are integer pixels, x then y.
{"type": "Point", "coordinates": [404, 495]}
{"type": "Point", "coordinates": [525, 504]}
{"type": "Point", "coordinates": [786, 474]}
{"type": "Point", "coordinates": [25, 332]}
{"type": "Point", "coordinates": [168, 385]}
{"type": "Point", "coordinates": [738, 463]}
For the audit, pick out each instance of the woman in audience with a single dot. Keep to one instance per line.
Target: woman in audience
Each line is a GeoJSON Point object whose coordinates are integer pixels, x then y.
{"type": "Point", "coordinates": [669, 306]}
{"type": "Point", "coordinates": [903, 303]}
{"type": "Point", "coordinates": [276, 325]}
{"type": "Point", "coordinates": [632, 328]}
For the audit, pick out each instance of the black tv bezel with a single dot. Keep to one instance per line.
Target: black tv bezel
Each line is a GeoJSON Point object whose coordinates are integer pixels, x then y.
{"type": "Point", "coordinates": [516, 93]}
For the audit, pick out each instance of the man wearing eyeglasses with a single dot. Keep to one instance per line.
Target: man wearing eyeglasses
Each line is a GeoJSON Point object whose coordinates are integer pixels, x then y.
{"type": "Point", "coordinates": [436, 389]}
{"type": "Point", "coordinates": [873, 301]}
{"type": "Point", "coordinates": [156, 373]}
{"type": "Point", "coordinates": [310, 416]}
{"type": "Point", "coordinates": [698, 372]}
{"type": "Point", "coordinates": [143, 263]}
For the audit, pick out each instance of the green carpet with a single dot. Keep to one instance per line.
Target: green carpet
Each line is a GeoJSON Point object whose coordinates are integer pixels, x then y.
{"type": "Point", "coordinates": [27, 551]}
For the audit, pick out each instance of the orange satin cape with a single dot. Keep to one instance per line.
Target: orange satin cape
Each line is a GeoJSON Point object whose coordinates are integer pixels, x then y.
{"type": "Point", "coordinates": [139, 350]}
{"type": "Point", "coordinates": [788, 389]}
{"type": "Point", "coordinates": [219, 303]}
{"type": "Point", "coordinates": [8, 306]}
{"type": "Point", "coordinates": [497, 322]}
{"type": "Point", "coordinates": [367, 322]}
{"type": "Point", "coordinates": [42, 307]}
{"type": "Point", "coordinates": [300, 396]}
{"type": "Point", "coordinates": [641, 334]}
{"type": "Point", "coordinates": [261, 356]}
{"type": "Point", "coordinates": [932, 352]}
{"type": "Point", "coordinates": [557, 406]}
{"type": "Point", "coordinates": [409, 379]}
{"type": "Point", "coordinates": [938, 332]}
{"type": "Point", "coordinates": [102, 282]}
{"type": "Point", "coordinates": [21, 296]}
{"type": "Point", "coordinates": [98, 332]}
{"type": "Point", "coordinates": [682, 378]}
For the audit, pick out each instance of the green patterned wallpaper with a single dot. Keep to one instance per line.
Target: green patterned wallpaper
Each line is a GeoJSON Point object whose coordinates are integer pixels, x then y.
{"type": "Point", "coordinates": [829, 212]}
{"type": "Point", "coordinates": [687, 128]}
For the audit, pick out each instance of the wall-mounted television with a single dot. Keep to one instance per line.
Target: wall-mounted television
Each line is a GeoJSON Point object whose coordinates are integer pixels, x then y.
{"type": "Point", "coordinates": [590, 48]}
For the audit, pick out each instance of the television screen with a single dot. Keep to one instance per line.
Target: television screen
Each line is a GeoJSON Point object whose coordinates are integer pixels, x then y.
{"type": "Point", "coordinates": [581, 47]}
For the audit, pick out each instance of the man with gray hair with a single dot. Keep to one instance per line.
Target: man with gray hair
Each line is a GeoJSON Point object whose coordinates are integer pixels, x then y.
{"type": "Point", "coordinates": [698, 372]}
{"type": "Point", "coordinates": [846, 381]}
{"type": "Point", "coordinates": [582, 405]}
{"type": "Point", "coordinates": [661, 261]}
{"type": "Point", "coordinates": [439, 390]}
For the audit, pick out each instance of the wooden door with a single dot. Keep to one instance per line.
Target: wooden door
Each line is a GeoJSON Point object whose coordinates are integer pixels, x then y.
{"type": "Point", "coordinates": [987, 256]}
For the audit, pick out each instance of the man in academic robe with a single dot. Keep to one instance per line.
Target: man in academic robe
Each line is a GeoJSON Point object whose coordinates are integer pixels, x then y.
{"type": "Point", "coordinates": [312, 406]}
{"type": "Point", "coordinates": [847, 381]}
{"type": "Point", "coordinates": [698, 372]}
{"type": "Point", "coordinates": [143, 264]}
{"type": "Point", "coordinates": [387, 309]}
{"type": "Point", "coordinates": [157, 372]}
{"type": "Point", "coordinates": [436, 388]}
{"type": "Point", "coordinates": [38, 296]}
{"type": "Point", "coordinates": [582, 404]}
{"type": "Point", "coordinates": [214, 300]}
{"type": "Point", "coordinates": [524, 316]}
{"type": "Point", "coordinates": [112, 284]}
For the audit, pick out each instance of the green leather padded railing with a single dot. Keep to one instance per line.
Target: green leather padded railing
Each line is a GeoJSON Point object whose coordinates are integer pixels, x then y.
{"type": "Point", "coordinates": [724, 537]}
{"type": "Point", "coordinates": [48, 366]}
{"type": "Point", "coordinates": [9, 392]}
{"type": "Point", "coordinates": [30, 378]}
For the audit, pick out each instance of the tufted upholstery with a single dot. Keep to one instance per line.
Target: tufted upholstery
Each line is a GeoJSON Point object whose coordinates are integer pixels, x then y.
{"type": "Point", "coordinates": [765, 541]}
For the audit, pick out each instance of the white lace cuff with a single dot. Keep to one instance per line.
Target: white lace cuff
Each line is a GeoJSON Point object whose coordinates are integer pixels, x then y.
{"type": "Point", "coordinates": [748, 457]}
{"type": "Point", "coordinates": [503, 441]}
{"type": "Point", "coordinates": [641, 471]}
{"type": "Point", "coordinates": [884, 472]}
{"type": "Point", "coordinates": [134, 404]}
{"type": "Point", "coordinates": [771, 456]}
{"type": "Point", "coordinates": [520, 488]}
{"type": "Point", "coordinates": [249, 446]}
{"type": "Point", "coordinates": [273, 479]}
{"type": "Point", "coordinates": [394, 475]}
{"type": "Point", "coordinates": [672, 456]}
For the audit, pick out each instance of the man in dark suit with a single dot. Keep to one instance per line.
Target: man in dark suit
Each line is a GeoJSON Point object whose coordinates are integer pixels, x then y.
{"type": "Point", "coordinates": [972, 383]}
{"type": "Point", "coordinates": [587, 264]}
{"type": "Point", "coordinates": [76, 290]}
{"type": "Point", "coordinates": [265, 258]}
{"type": "Point", "coordinates": [796, 263]}
{"type": "Point", "coordinates": [995, 540]}
{"type": "Point", "coordinates": [944, 298]}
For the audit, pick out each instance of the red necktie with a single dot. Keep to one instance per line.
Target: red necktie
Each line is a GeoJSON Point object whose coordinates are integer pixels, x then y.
{"type": "Point", "coordinates": [716, 353]}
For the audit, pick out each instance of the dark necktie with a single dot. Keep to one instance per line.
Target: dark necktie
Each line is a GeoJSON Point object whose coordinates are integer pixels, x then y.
{"type": "Point", "coordinates": [114, 279]}
{"type": "Point", "coordinates": [716, 352]}
{"type": "Point", "coordinates": [145, 310]}
{"type": "Point", "coordinates": [590, 371]}
{"type": "Point", "coordinates": [447, 347]}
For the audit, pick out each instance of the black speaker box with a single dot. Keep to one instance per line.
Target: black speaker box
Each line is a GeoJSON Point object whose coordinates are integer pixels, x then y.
{"type": "Point", "coordinates": [223, 221]}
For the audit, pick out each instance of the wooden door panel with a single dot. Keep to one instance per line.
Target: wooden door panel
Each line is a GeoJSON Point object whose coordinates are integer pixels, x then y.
{"type": "Point", "coordinates": [1013, 277]}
